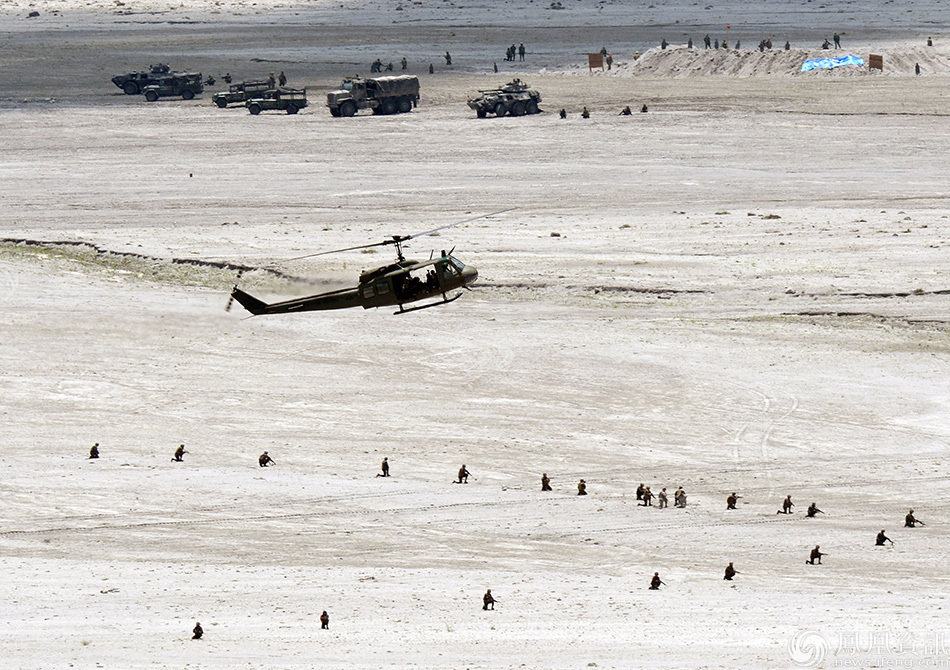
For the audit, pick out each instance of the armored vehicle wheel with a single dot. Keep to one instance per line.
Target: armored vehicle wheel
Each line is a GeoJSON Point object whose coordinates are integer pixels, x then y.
{"type": "Point", "coordinates": [291, 108]}
{"type": "Point", "coordinates": [388, 106]}
{"type": "Point", "coordinates": [254, 109]}
{"type": "Point", "coordinates": [187, 95]}
{"type": "Point", "coordinates": [481, 113]}
{"type": "Point", "coordinates": [151, 96]}
{"type": "Point", "coordinates": [130, 88]}
{"type": "Point", "coordinates": [531, 107]}
{"type": "Point", "coordinates": [517, 109]}
{"type": "Point", "coordinates": [404, 105]}
{"type": "Point", "coordinates": [348, 108]}
{"type": "Point", "coordinates": [221, 102]}
{"type": "Point", "coordinates": [500, 109]}
{"type": "Point", "coordinates": [334, 112]}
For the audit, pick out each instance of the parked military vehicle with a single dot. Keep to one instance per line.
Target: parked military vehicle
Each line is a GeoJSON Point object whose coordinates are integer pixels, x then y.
{"type": "Point", "coordinates": [242, 92]}
{"type": "Point", "coordinates": [384, 95]}
{"type": "Point", "coordinates": [514, 98]}
{"type": "Point", "coordinates": [133, 82]}
{"type": "Point", "coordinates": [290, 100]}
{"type": "Point", "coordinates": [185, 84]}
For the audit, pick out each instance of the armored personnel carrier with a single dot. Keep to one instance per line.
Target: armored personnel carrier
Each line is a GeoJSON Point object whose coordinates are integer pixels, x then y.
{"type": "Point", "coordinates": [132, 83]}
{"type": "Point", "coordinates": [185, 84]}
{"type": "Point", "coordinates": [513, 98]}
{"type": "Point", "coordinates": [242, 92]}
{"type": "Point", "coordinates": [290, 100]}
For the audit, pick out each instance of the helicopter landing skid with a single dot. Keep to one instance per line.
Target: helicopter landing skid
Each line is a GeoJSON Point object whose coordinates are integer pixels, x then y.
{"type": "Point", "coordinates": [445, 301]}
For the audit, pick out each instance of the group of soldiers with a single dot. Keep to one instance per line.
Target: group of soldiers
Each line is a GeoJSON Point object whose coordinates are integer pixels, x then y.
{"type": "Point", "coordinates": [377, 65]}
{"type": "Point", "coordinates": [645, 496]}
{"type": "Point", "coordinates": [511, 51]}
{"type": "Point", "coordinates": [263, 460]}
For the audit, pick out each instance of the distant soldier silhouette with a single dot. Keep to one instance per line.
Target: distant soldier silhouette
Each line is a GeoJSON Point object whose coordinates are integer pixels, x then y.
{"type": "Point", "coordinates": [563, 113]}
{"type": "Point", "coordinates": [431, 69]}
{"type": "Point", "coordinates": [448, 58]}
{"type": "Point", "coordinates": [815, 555]}
{"type": "Point", "coordinates": [463, 475]}
{"type": "Point", "coordinates": [689, 43]}
{"type": "Point", "coordinates": [640, 490]}
{"type": "Point", "coordinates": [585, 114]}
{"type": "Point", "coordinates": [813, 511]}
{"type": "Point", "coordinates": [917, 69]}
{"type": "Point", "coordinates": [545, 482]}
{"type": "Point", "coordinates": [324, 621]}
{"type": "Point", "coordinates": [837, 39]}
{"type": "Point", "coordinates": [385, 467]}
{"type": "Point", "coordinates": [787, 506]}
{"type": "Point", "coordinates": [716, 43]}
{"type": "Point", "coordinates": [264, 460]}
{"type": "Point", "coordinates": [930, 42]}
{"type": "Point", "coordinates": [706, 40]}
{"type": "Point", "coordinates": [730, 572]}
{"type": "Point", "coordinates": [882, 538]}
{"type": "Point", "coordinates": [643, 110]}
{"type": "Point", "coordinates": [94, 452]}
{"type": "Point", "coordinates": [271, 81]}
{"type": "Point", "coordinates": [582, 488]}
{"type": "Point", "coordinates": [910, 521]}
{"type": "Point", "coordinates": [521, 51]}
{"type": "Point", "coordinates": [626, 111]}
{"type": "Point", "coordinates": [664, 43]}
{"type": "Point", "coordinates": [487, 600]}
{"type": "Point", "coordinates": [731, 501]}
{"type": "Point", "coordinates": [656, 581]}
{"type": "Point", "coordinates": [197, 631]}
{"type": "Point", "coordinates": [664, 500]}
{"type": "Point", "coordinates": [227, 78]}
{"type": "Point", "coordinates": [404, 63]}
{"type": "Point", "coordinates": [179, 452]}
{"type": "Point", "coordinates": [282, 79]}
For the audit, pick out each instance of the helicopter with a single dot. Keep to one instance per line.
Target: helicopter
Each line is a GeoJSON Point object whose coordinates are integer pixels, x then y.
{"type": "Point", "coordinates": [396, 284]}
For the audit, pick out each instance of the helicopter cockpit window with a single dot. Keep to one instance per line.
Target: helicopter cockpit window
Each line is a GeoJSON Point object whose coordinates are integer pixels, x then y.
{"type": "Point", "coordinates": [382, 288]}
{"type": "Point", "coordinates": [368, 291]}
{"type": "Point", "coordinates": [457, 265]}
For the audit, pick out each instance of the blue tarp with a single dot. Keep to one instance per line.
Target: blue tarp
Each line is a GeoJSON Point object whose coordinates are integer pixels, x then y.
{"type": "Point", "coordinates": [828, 63]}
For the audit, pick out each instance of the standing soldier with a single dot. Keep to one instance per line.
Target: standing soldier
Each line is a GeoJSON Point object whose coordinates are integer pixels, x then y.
{"type": "Point", "coordinates": [663, 498]}
{"type": "Point", "coordinates": [271, 81]}
{"type": "Point", "coordinates": [264, 460]}
{"type": "Point", "coordinates": [487, 600]}
{"type": "Point", "coordinates": [324, 621]}
{"type": "Point", "coordinates": [282, 79]}
{"type": "Point", "coordinates": [521, 51]}
{"type": "Point", "coordinates": [910, 520]}
{"type": "Point", "coordinates": [227, 78]}
{"type": "Point", "coordinates": [463, 475]}
{"type": "Point", "coordinates": [448, 58]}
{"type": "Point", "coordinates": [815, 556]}
{"type": "Point", "coordinates": [656, 581]}
{"type": "Point", "coordinates": [197, 631]}
{"type": "Point", "coordinates": [545, 482]}
{"type": "Point", "coordinates": [731, 501]}
{"type": "Point", "coordinates": [179, 453]}
{"type": "Point", "coordinates": [882, 538]}
{"type": "Point", "coordinates": [647, 497]}
{"type": "Point", "coordinates": [640, 490]}
{"type": "Point", "coordinates": [582, 488]}
{"type": "Point", "coordinates": [94, 452]}
{"type": "Point", "coordinates": [813, 510]}
{"type": "Point", "coordinates": [730, 572]}
{"type": "Point", "coordinates": [562, 113]}
{"type": "Point", "coordinates": [787, 505]}
{"type": "Point", "coordinates": [404, 63]}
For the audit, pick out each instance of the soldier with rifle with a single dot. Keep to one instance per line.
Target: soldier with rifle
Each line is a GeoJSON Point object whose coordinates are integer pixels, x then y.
{"type": "Point", "coordinates": [815, 556]}
{"type": "Point", "coordinates": [813, 511]}
{"type": "Point", "coordinates": [656, 581]}
{"type": "Point", "coordinates": [882, 538]}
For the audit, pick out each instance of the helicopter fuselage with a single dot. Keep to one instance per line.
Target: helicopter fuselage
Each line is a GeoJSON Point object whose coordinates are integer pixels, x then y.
{"type": "Point", "coordinates": [399, 283]}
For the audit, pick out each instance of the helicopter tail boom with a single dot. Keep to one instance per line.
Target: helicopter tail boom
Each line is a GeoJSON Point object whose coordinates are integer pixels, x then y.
{"type": "Point", "coordinates": [249, 302]}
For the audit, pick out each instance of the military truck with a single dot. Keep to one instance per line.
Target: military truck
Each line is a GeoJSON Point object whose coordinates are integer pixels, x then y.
{"type": "Point", "coordinates": [513, 98]}
{"type": "Point", "coordinates": [242, 92]}
{"type": "Point", "coordinates": [185, 84]}
{"type": "Point", "coordinates": [384, 95]}
{"type": "Point", "coordinates": [290, 100]}
{"type": "Point", "coordinates": [132, 83]}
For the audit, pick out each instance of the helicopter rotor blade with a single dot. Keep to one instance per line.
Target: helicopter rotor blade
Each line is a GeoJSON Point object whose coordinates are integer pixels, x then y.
{"type": "Point", "coordinates": [231, 299]}
{"type": "Point", "coordinates": [398, 239]}
{"type": "Point", "coordinates": [457, 223]}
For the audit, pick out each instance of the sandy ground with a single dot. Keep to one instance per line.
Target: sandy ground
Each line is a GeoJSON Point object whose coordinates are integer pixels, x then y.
{"type": "Point", "coordinates": [747, 291]}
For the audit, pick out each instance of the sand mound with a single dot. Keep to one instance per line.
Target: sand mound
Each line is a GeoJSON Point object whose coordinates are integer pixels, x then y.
{"type": "Point", "coordinates": [683, 62]}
